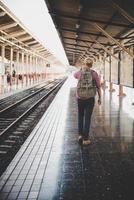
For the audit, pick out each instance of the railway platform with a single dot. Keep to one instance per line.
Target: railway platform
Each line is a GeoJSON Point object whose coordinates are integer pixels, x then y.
{"type": "Point", "coordinates": [52, 166]}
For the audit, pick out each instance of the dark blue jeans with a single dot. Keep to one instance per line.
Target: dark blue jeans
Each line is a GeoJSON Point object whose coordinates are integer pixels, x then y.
{"type": "Point", "coordinates": [85, 109]}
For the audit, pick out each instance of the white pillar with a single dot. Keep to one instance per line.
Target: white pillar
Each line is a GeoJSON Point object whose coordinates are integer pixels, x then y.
{"type": "Point", "coordinates": [22, 63]}
{"type": "Point", "coordinates": [17, 63]}
{"type": "Point", "coordinates": [27, 64]}
{"type": "Point", "coordinates": [33, 64]}
{"type": "Point", "coordinates": [3, 56]}
{"type": "Point", "coordinates": [39, 65]}
{"type": "Point", "coordinates": [36, 64]}
{"type": "Point", "coordinates": [43, 65]}
{"type": "Point", "coordinates": [30, 64]}
{"type": "Point", "coordinates": [11, 60]}
{"type": "Point", "coordinates": [32, 68]}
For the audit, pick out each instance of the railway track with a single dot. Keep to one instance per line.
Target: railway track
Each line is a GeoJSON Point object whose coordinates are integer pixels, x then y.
{"type": "Point", "coordinates": [8, 101]}
{"type": "Point", "coordinates": [18, 120]}
{"type": "Point", "coordinates": [11, 113]}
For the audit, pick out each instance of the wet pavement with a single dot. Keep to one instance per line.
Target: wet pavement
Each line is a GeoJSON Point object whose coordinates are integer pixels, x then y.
{"type": "Point", "coordinates": [103, 170]}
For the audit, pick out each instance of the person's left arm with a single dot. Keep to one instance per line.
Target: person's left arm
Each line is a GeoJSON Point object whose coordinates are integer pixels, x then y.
{"type": "Point", "coordinates": [98, 84]}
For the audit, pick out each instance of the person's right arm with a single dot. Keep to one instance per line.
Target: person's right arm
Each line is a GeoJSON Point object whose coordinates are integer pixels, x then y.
{"type": "Point", "coordinates": [77, 75]}
{"type": "Point", "coordinates": [99, 95]}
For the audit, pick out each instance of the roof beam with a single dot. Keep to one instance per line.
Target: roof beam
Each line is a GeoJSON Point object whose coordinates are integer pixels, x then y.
{"type": "Point", "coordinates": [129, 41]}
{"type": "Point", "coordinates": [70, 51]}
{"type": "Point", "coordinates": [89, 41]}
{"type": "Point", "coordinates": [69, 38]}
{"type": "Point", "coordinates": [48, 55]}
{"type": "Point", "coordinates": [43, 51]}
{"type": "Point", "coordinates": [76, 46]}
{"type": "Point", "coordinates": [91, 54]}
{"type": "Point", "coordinates": [129, 33]}
{"type": "Point", "coordinates": [32, 42]}
{"type": "Point", "coordinates": [15, 34]}
{"type": "Point", "coordinates": [92, 20]}
{"type": "Point", "coordinates": [106, 50]}
{"type": "Point", "coordinates": [40, 48]}
{"type": "Point", "coordinates": [77, 52]}
{"type": "Point", "coordinates": [36, 45]}
{"type": "Point", "coordinates": [87, 56]}
{"type": "Point", "coordinates": [113, 39]}
{"type": "Point", "coordinates": [74, 49]}
{"type": "Point", "coordinates": [121, 11]}
{"type": "Point", "coordinates": [91, 49]}
{"type": "Point", "coordinates": [95, 51]}
{"type": "Point", "coordinates": [2, 14]}
{"type": "Point", "coordinates": [24, 38]}
{"type": "Point", "coordinates": [86, 33]}
{"type": "Point", "coordinates": [8, 25]}
{"type": "Point", "coordinates": [20, 47]}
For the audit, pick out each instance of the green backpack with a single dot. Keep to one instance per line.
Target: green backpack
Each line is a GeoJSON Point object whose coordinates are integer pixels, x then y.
{"type": "Point", "coordinates": [86, 87]}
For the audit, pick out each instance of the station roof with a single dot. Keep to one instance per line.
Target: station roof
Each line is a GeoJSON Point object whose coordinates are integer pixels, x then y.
{"type": "Point", "coordinates": [88, 28]}
{"type": "Point", "coordinates": [14, 33]}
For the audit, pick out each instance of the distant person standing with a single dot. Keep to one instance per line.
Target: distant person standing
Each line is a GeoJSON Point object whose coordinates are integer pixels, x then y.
{"type": "Point", "coordinates": [14, 73]}
{"type": "Point", "coordinates": [88, 84]}
{"type": "Point", "coordinates": [8, 78]}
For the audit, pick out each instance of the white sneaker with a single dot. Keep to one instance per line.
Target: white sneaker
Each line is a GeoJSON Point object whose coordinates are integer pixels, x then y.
{"type": "Point", "coordinates": [86, 142]}
{"type": "Point", "coordinates": [80, 139]}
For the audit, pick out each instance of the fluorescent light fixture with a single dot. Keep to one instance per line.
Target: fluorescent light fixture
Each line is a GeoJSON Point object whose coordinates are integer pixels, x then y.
{"type": "Point", "coordinates": [77, 26]}
{"type": "Point", "coordinates": [76, 35]}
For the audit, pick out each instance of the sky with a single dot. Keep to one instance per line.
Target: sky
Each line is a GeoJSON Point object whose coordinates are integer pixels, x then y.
{"type": "Point", "coordinates": [35, 17]}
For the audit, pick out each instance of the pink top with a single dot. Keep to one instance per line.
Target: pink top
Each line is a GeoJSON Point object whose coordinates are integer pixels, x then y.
{"type": "Point", "coordinates": [94, 76]}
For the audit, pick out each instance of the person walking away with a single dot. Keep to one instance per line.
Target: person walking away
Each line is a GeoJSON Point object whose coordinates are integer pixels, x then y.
{"type": "Point", "coordinates": [88, 84]}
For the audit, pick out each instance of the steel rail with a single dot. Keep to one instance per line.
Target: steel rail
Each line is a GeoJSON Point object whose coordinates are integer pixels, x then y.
{"type": "Point", "coordinates": [12, 96]}
{"type": "Point", "coordinates": [13, 124]}
{"type": "Point", "coordinates": [21, 100]}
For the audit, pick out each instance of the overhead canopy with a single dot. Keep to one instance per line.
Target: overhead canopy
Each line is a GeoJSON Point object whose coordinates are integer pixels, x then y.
{"type": "Point", "coordinates": [14, 33]}
{"type": "Point", "coordinates": [88, 28]}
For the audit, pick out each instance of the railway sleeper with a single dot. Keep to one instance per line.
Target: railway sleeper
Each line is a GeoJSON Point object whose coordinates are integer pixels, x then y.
{"type": "Point", "coordinates": [10, 142]}
{"type": "Point", "coordinates": [3, 152]}
{"type": "Point", "coordinates": [4, 123]}
{"type": "Point", "coordinates": [22, 127]}
{"type": "Point", "coordinates": [15, 137]}
{"type": "Point", "coordinates": [5, 147]}
{"type": "Point", "coordinates": [17, 133]}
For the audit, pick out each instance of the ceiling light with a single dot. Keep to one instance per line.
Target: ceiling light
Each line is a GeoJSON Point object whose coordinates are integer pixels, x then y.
{"type": "Point", "coordinates": [80, 7]}
{"type": "Point", "coordinates": [76, 35]}
{"type": "Point", "coordinates": [77, 25]}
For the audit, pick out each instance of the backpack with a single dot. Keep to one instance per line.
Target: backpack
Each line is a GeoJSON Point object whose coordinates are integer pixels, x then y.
{"type": "Point", "coordinates": [86, 87]}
